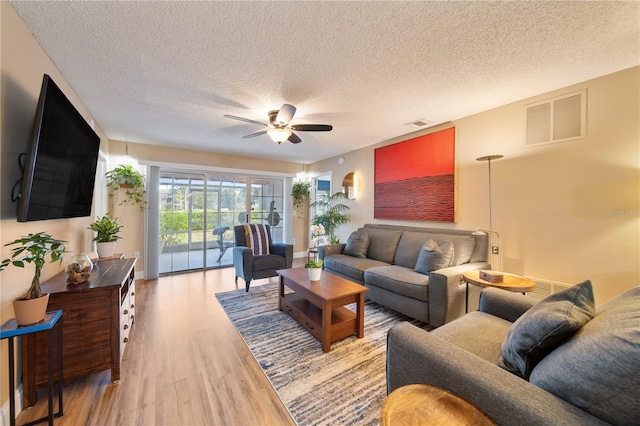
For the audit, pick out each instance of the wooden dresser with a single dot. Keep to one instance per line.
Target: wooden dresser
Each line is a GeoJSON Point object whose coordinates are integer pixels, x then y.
{"type": "Point", "coordinates": [97, 316]}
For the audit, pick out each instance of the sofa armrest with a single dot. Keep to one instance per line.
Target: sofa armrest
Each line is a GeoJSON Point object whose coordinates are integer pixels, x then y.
{"type": "Point", "coordinates": [447, 294]}
{"type": "Point", "coordinates": [284, 250]}
{"type": "Point", "coordinates": [243, 262]}
{"type": "Point", "coordinates": [329, 249]}
{"type": "Point", "coordinates": [504, 304]}
{"type": "Point", "coordinates": [417, 356]}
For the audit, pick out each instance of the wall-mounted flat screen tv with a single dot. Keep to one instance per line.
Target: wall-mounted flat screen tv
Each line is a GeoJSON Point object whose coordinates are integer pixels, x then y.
{"type": "Point", "coordinates": [60, 168]}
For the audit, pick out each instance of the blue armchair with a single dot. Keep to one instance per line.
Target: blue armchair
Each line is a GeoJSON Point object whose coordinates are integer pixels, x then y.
{"type": "Point", "coordinates": [256, 256]}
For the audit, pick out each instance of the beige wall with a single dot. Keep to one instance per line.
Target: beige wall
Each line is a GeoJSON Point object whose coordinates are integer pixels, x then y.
{"type": "Point", "coordinates": [565, 212]}
{"type": "Point", "coordinates": [22, 64]}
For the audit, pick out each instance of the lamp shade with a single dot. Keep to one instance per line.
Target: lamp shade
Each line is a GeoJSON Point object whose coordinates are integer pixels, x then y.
{"type": "Point", "coordinates": [278, 134]}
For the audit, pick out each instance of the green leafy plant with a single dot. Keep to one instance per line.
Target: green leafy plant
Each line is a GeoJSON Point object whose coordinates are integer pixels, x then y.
{"type": "Point", "coordinates": [314, 264]}
{"type": "Point", "coordinates": [331, 214]}
{"type": "Point", "coordinates": [33, 249]}
{"type": "Point", "coordinates": [300, 193]}
{"type": "Point", "coordinates": [127, 179]}
{"type": "Point", "coordinates": [107, 229]}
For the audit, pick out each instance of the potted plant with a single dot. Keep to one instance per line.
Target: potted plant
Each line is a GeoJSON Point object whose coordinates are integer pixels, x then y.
{"type": "Point", "coordinates": [107, 229]}
{"type": "Point", "coordinates": [34, 248]}
{"type": "Point", "coordinates": [315, 269]}
{"type": "Point", "coordinates": [300, 193]}
{"type": "Point", "coordinates": [126, 178]}
{"type": "Point", "coordinates": [331, 215]}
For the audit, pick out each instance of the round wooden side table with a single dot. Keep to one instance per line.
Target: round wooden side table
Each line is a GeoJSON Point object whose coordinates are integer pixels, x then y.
{"type": "Point", "coordinates": [429, 405]}
{"type": "Point", "coordinates": [510, 282]}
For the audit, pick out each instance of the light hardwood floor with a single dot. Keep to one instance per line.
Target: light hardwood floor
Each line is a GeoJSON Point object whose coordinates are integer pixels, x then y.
{"type": "Point", "coordinates": [185, 365]}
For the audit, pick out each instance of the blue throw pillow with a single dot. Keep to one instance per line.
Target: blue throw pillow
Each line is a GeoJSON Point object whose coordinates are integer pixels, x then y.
{"type": "Point", "coordinates": [598, 368]}
{"type": "Point", "coordinates": [543, 327]}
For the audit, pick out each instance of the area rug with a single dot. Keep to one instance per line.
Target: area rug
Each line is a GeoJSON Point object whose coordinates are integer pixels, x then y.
{"type": "Point", "coordinates": [345, 386]}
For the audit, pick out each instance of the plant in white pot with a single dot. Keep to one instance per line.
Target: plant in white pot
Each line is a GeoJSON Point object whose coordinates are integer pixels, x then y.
{"type": "Point", "coordinates": [315, 269]}
{"type": "Point", "coordinates": [107, 229]}
{"type": "Point", "coordinates": [34, 248]}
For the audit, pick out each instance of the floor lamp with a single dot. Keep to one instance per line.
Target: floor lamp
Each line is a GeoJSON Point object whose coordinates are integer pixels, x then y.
{"type": "Point", "coordinates": [495, 249]}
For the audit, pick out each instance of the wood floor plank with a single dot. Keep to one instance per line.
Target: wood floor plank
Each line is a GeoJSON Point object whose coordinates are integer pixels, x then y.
{"type": "Point", "coordinates": [185, 364]}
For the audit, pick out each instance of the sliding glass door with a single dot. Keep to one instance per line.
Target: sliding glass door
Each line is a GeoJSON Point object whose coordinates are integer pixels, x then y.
{"type": "Point", "coordinates": [198, 212]}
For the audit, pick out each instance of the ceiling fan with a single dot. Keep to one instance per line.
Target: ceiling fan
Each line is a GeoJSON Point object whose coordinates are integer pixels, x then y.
{"type": "Point", "coordinates": [278, 127]}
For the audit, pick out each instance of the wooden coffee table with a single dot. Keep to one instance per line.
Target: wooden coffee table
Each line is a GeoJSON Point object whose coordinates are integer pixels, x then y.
{"type": "Point", "coordinates": [318, 306]}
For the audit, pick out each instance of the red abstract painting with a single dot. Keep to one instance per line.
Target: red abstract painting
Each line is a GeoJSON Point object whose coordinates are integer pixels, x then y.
{"type": "Point", "coordinates": [415, 179]}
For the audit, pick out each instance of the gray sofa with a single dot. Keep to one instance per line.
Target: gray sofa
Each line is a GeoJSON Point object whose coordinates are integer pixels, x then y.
{"type": "Point", "coordinates": [590, 377]}
{"type": "Point", "coordinates": [436, 297]}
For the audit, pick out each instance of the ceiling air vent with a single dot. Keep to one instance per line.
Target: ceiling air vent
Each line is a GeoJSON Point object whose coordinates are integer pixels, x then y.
{"type": "Point", "coordinates": [419, 123]}
{"type": "Point", "coordinates": [559, 119]}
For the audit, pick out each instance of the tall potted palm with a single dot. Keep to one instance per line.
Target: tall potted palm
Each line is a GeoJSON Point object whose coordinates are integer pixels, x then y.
{"type": "Point", "coordinates": [331, 215]}
{"type": "Point", "coordinates": [107, 229]}
{"type": "Point", "coordinates": [33, 248]}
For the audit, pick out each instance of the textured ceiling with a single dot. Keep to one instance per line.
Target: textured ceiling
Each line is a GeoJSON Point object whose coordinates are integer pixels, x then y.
{"type": "Point", "coordinates": [165, 73]}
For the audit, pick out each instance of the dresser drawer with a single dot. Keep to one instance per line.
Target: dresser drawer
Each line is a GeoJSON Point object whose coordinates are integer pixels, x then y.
{"type": "Point", "coordinates": [310, 325]}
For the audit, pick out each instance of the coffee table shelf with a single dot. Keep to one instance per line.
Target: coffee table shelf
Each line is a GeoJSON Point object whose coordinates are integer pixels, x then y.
{"type": "Point", "coordinates": [316, 303]}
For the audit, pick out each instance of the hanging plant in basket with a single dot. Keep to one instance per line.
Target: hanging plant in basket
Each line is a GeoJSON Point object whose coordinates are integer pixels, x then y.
{"type": "Point", "coordinates": [33, 249]}
{"type": "Point", "coordinates": [130, 182]}
{"type": "Point", "coordinates": [300, 193]}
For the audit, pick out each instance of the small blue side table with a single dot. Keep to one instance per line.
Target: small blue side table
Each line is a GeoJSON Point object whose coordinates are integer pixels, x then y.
{"type": "Point", "coordinates": [10, 330]}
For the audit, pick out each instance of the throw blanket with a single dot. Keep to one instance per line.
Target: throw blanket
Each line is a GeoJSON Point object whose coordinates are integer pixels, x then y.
{"type": "Point", "coordinates": [258, 238]}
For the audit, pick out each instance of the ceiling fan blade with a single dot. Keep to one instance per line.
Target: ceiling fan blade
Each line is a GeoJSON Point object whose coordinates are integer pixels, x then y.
{"type": "Point", "coordinates": [253, 135]}
{"type": "Point", "coordinates": [285, 114]}
{"type": "Point", "coordinates": [246, 120]}
{"type": "Point", "coordinates": [312, 127]}
{"type": "Point", "coordinates": [294, 138]}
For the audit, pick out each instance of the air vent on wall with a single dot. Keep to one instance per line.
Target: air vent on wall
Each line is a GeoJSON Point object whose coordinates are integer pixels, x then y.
{"type": "Point", "coordinates": [559, 119]}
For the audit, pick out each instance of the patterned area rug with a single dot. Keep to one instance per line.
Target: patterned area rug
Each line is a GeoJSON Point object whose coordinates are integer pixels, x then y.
{"type": "Point", "coordinates": [345, 386]}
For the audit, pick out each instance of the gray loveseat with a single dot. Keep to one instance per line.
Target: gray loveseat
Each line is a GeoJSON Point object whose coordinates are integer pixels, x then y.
{"type": "Point", "coordinates": [436, 297]}
{"type": "Point", "coordinates": [591, 377]}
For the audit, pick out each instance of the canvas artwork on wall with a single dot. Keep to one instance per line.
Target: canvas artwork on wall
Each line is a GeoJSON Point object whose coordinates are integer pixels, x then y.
{"type": "Point", "coordinates": [415, 179]}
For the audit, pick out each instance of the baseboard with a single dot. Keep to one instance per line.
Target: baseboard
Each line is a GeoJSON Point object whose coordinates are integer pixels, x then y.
{"type": "Point", "coordinates": [5, 412]}
{"type": "Point", "coordinates": [139, 275]}
{"type": "Point", "coordinates": [299, 254]}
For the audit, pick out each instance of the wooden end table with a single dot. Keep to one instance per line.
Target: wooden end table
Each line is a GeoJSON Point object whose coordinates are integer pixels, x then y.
{"type": "Point", "coordinates": [318, 306]}
{"type": "Point", "coordinates": [509, 282]}
{"type": "Point", "coordinates": [429, 405]}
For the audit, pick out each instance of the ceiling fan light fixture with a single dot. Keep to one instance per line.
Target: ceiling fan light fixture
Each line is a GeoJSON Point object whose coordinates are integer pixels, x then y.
{"type": "Point", "coordinates": [278, 134]}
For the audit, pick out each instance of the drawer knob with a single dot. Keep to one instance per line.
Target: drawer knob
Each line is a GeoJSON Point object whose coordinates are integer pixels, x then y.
{"type": "Point", "coordinates": [132, 316]}
{"type": "Point", "coordinates": [126, 312]}
{"type": "Point", "coordinates": [133, 293]}
{"type": "Point", "coordinates": [133, 306]}
{"type": "Point", "coordinates": [309, 326]}
{"type": "Point", "coordinates": [126, 326]}
{"type": "Point", "coordinates": [126, 339]}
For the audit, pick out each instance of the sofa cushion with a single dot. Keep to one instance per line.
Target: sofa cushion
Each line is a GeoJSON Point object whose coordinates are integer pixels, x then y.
{"type": "Point", "coordinates": [433, 257]}
{"type": "Point", "coordinates": [598, 369]}
{"type": "Point", "coordinates": [411, 242]}
{"type": "Point", "coordinates": [349, 266]}
{"type": "Point", "coordinates": [477, 332]}
{"type": "Point", "coordinates": [357, 245]}
{"type": "Point", "coordinates": [543, 327]}
{"type": "Point", "coordinates": [399, 280]}
{"type": "Point", "coordinates": [382, 243]}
